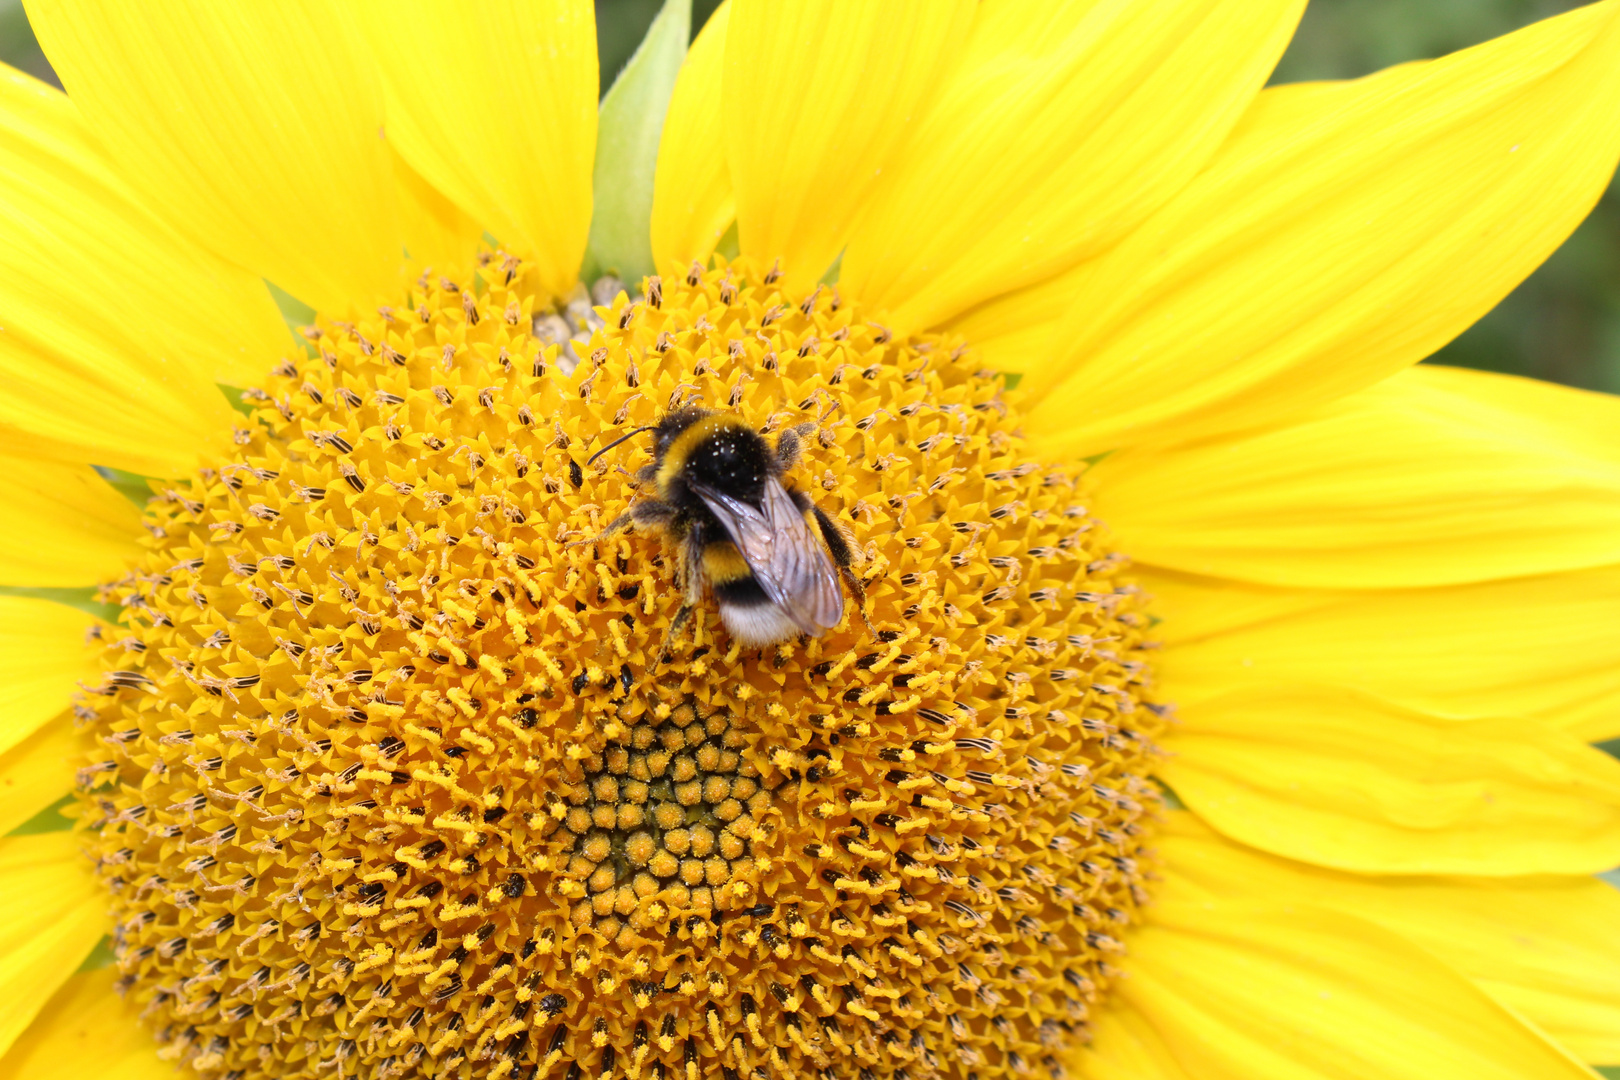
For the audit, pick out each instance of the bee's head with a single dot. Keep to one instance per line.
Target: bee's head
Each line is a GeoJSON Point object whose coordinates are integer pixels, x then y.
{"type": "Point", "coordinates": [717, 449]}
{"type": "Point", "coordinates": [724, 453]}
{"type": "Point", "coordinates": [668, 429]}
{"type": "Point", "coordinates": [665, 432]}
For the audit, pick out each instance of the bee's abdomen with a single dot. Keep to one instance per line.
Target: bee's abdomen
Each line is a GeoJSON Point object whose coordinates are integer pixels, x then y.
{"type": "Point", "coordinates": [729, 576]}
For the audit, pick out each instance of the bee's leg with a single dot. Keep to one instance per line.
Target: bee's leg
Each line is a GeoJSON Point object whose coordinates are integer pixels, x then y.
{"type": "Point", "coordinates": [653, 512]}
{"type": "Point", "coordinates": [840, 544]}
{"type": "Point", "coordinates": [623, 521]}
{"type": "Point", "coordinates": [844, 555]}
{"type": "Point", "coordinates": [641, 512]}
{"type": "Point", "coordinates": [790, 445]}
{"type": "Point", "coordinates": [859, 592]}
{"type": "Point", "coordinates": [674, 629]}
{"type": "Point", "coordinates": [692, 581]}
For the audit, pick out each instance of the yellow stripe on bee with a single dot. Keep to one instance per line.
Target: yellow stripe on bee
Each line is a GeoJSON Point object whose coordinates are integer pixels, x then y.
{"type": "Point", "coordinates": [723, 563]}
{"type": "Point", "coordinates": [675, 457]}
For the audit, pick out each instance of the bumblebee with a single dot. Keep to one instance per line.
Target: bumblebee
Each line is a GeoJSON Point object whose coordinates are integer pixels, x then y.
{"type": "Point", "coordinates": [721, 502]}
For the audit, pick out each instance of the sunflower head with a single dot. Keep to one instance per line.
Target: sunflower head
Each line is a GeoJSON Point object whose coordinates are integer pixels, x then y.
{"type": "Point", "coordinates": [406, 772]}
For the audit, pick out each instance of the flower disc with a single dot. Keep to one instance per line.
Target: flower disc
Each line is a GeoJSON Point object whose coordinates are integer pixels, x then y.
{"type": "Point", "coordinates": [402, 776]}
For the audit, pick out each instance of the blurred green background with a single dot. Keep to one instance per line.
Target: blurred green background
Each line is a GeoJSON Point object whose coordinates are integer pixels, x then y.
{"type": "Point", "coordinates": [1562, 324]}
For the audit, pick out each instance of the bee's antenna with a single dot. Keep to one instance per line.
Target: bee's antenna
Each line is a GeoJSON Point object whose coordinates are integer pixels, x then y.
{"type": "Point", "coordinates": [616, 442]}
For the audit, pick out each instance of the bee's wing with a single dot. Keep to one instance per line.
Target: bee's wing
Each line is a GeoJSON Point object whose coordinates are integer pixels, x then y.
{"type": "Point", "coordinates": [787, 561]}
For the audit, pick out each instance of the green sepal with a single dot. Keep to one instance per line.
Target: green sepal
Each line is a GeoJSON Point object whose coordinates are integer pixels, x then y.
{"type": "Point", "coordinates": [81, 597]}
{"type": "Point", "coordinates": [50, 819]}
{"type": "Point", "coordinates": [294, 312]}
{"type": "Point", "coordinates": [135, 487]}
{"type": "Point", "coordinates": [102, 956]}
{"type": "Point", "coordinates": [233, 395]}
{"type": "Point", "coordinates": [627, 133]}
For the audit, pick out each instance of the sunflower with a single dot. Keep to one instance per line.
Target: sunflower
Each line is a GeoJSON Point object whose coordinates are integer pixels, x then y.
{"type": "Point", "coordinates": [1214, 688]}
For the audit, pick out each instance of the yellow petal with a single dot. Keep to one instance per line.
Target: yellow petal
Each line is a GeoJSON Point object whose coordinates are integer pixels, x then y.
{"type": "Point", "coordinates": [1341, 779]}
{"type": "Point", "coordinates": [1544, 946]}
{"type": "Point", "coordinates": [1344, 232]}
{"type": "Point", "coordinates": [495, 105]}
{"type": "Point", "coordinates": [1416, 481]}
{"type": "Point", "coordinates": [1013, 333]}
{"type": "Point", "coordinates": [1274, 992]}
{"type": "Point", "coordinates": [38, 771]}
{"type": "Point", "coordinates": [42, 657]}
{"type": "Point", "coordinates": [1542, 648]}
{"type": "Point", "coordinates": [87, 1031]}
{"type": "Point", "coordinates": [66, 526]}
{"type": "Point", "coordinates": [437, 232]}
{"type": "Point", "coordinates": [1125, 1046]}
{"type": "Point", "coordinates": [817, 97]}
{"type": "Point", "coordinates": [116, 327]}
{"type": "Point", "coordinates": [179, 303]}
{"type": "Point", "coordinates": [253, 127]}
{"type": "Point", "coordinates": [693, 203]}
{"type": "Point", "coordinates": [52, 913]}
{"type": "Point", "coordinates": [1060, 129]}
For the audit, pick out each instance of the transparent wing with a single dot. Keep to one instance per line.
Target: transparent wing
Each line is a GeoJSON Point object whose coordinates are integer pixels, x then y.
{"type": "Point", "coordinates": [787, 560]}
